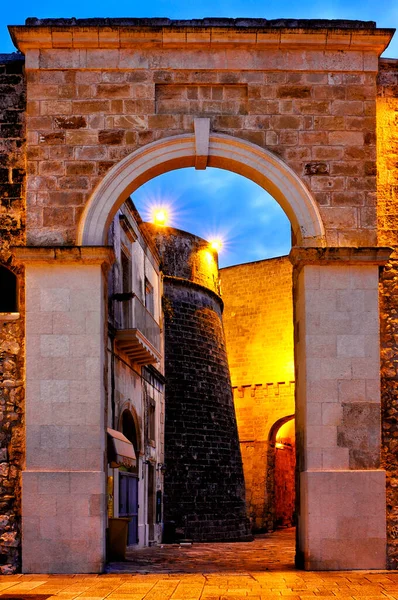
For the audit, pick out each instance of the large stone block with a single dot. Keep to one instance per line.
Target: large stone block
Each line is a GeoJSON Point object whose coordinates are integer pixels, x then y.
{"type": "Point", "coordinates": [343, 517]}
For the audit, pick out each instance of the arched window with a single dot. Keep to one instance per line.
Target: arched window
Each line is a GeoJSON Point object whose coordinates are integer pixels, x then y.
{"type": "Point", "coordinates": [8, 291]}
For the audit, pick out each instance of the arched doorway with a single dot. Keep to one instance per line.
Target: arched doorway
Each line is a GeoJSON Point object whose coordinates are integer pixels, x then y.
{"type": "Point", "coordinates": [319, 449]}
{"type": "Point", "coordinates": [283, 447]}
{"type": "Point", "coordinates": [225, 152]}
{"type": "Point", "coordinates": [325, 458]}
{"type": "Point", "coordinates": [129, 480]}
{"type": "Point", "coordinates": [130, 429]}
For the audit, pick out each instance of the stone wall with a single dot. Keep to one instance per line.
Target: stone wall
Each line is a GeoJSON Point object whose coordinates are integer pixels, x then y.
{"type": "Point", "coordinates": [387, 194]}
{"type": "Point", "coordinates": [258, 324]}
{"type": "Point", "coordinates": [95, 95]}
{"type": "Point", "coordinates": [186, 256]}
{"type": "Point", "coordinates": [258, 321]}
{"type": "Point", "coordinates": [204, 486]}
{"type": "Point", "coordinates": [12, 232]}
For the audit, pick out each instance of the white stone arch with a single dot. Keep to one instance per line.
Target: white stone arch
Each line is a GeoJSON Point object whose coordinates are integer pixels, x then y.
{"type": "Point", "coordinates": [225, 152]}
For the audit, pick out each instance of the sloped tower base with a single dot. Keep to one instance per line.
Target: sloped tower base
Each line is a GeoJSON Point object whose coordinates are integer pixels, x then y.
{"type": "Point", "coordinates": [204, 484]}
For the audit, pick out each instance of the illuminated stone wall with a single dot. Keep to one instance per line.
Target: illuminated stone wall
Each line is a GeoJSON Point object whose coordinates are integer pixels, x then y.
{"type": "Point", "coordinates": [305, 91]}
{"type": "Point", "coordinates": [387, 198]}
{"type": "Point", "coordinates": [97, 94]}
{"type": "Point", "coordinates": [12, 232]}
{"type": "Point", "coordinates": [258, 324]}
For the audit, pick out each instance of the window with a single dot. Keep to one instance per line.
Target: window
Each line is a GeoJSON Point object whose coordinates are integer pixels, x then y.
{"type": "Point", "coordinates": [126, 289]}
{"type": "Point", "coordinates": [149, 297]}
{"type": "Point", "coordinates": [152, 422]}
{"type": "Point", "coordinates": [8, 291]}
{"type": "Point", "coordinates": [126, 273]}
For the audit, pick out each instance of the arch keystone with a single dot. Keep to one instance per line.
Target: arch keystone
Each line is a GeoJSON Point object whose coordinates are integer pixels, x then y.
{"type": "Point", "coordinates": [202, 138]}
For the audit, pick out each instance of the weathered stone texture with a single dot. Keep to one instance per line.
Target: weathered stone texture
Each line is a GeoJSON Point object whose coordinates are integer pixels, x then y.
{"type": "Point", "coordinates": [258, 324]}
{"type": "Point", "coordinates": [387, 192]}
{"type": "Point", "coordinates": [12, 217]}
{"type": "Point", "coordinates": [186, 256]}
{"type": "Point", "coordinates": [258, 321]}
{"type": "Point", "coordinates": [102, 106]}
{"type": "Point", "coordinates": [204, 485]}
{"type": "Point", "coordinates": [97, 93]}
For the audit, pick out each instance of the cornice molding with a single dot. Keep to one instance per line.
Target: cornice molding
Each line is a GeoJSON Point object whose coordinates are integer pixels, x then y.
{"type": "Point", "coordinates": [102, 255]}
{"type": "Point", "coordinates": [27, 37]}
{"type": "Point", "coordinates": [371, 256]}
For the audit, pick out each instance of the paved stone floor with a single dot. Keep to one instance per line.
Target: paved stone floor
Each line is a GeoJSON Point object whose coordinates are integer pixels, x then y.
{"type": "Point", "coordinates": [272, 551]}
{"type": "Point", "coordinates": [247, 578]}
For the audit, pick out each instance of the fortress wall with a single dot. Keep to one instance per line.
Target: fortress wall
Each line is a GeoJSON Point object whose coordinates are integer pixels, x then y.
{"type": "Point", "coordinates": [258, 324]}
{"type": "Point", "coordinates": [204, 485]}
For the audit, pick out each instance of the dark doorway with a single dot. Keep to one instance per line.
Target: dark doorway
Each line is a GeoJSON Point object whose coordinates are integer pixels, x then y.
{"type": "Point", "coordinates": [128, 504]}
{"type": "Point", "coordinates": [151, 502]}
{"type": "Point", "coordinates": [129, 481]}
{"type": "Point", "coordinates": [8, 291]}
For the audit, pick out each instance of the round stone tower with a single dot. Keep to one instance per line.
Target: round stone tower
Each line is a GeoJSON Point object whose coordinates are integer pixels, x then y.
{"type": "Point", "coordinates": [204, 490]}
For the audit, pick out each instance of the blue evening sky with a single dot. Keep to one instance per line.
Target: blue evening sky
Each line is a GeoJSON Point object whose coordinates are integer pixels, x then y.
{"type": "Point", "coordinates": [213, 202]}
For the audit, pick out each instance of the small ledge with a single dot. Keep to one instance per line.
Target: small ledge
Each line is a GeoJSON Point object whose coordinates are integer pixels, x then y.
{"type": "Point", "coordinates": [9, 316]}
{"type": "Point", "coordinates": [346, 255]}
{"type": "Point", "coordinates": [64, 254]}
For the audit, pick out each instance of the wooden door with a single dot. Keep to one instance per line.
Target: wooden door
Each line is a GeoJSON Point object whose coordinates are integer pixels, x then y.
{"type": "Point", "coordinates": [128, 504]}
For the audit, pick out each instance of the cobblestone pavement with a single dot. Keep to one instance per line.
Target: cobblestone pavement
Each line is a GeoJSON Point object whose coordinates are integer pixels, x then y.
{"type": "Point", "coordinates": [238, 583]}
{"type": "Point", "coordinates": [272, 551]}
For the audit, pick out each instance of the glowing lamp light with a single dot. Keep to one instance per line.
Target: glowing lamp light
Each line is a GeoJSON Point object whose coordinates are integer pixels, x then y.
{"type": "Point", "coordinates": [160, 216]}
{"type": "Point", "coordinates": [216, 244]}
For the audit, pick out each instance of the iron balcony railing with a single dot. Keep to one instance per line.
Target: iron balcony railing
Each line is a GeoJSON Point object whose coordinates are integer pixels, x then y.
{"type": "Point", "coordinates": [135, 327]}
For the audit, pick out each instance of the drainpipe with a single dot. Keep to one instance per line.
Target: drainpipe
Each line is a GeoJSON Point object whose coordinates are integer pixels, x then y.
{"type": "Point", "coordinates": [113, 404]}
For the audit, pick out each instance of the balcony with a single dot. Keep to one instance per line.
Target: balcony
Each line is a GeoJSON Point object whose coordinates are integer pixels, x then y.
{"type": "Point", "coordinates": [137, 333]}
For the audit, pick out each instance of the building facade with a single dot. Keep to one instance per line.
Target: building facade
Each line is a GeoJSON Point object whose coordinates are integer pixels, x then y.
{"type": "Point", "coordinates": [135, 377]}
{"type": "Point", "coordinates": [307, 110]}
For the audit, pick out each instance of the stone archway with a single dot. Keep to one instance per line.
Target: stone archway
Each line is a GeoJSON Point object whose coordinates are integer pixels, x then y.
{"type": "Point", "coordinates": [267, 82]}
{"type": "Point", "coordinates": [328, 456]}
{"type": "Point", "coordinates": [333, 485]}
{"type": "Point", "coordinates": [223, 151]}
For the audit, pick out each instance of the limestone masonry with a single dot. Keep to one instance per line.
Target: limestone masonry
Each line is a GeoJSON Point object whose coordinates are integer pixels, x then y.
{"type": "Point", "coordinates": [12, 232]}
{"type": "Point", "coordinates": [258, 323]}
{"type": "Point", "coordinates": [92, 109]}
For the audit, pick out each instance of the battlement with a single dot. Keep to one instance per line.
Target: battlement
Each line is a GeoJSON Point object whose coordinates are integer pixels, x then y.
{"type": "Point", "coordinates": [265, 390]}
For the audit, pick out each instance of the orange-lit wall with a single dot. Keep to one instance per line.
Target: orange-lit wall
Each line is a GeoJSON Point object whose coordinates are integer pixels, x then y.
{"type": "Point", "coordinates": [258, 323]}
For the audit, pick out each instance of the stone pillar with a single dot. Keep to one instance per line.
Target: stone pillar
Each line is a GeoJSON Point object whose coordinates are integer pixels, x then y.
{"type": "Point", "coordinates": [341, 517]}
{"type": "Point", "coordinates": [63, 484]}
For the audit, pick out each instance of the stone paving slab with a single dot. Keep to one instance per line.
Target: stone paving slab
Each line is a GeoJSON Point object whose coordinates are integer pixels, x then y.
{"type": "Point", "coordinates": [224, 586]}
{"type": "Point", "coordinates": [268, 552]}
{"type": "Point", "coordinates": [225, 576]}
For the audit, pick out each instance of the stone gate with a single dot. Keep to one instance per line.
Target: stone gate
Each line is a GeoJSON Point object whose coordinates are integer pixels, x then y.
{"type": "Point", "coordinates": [292, 106]}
